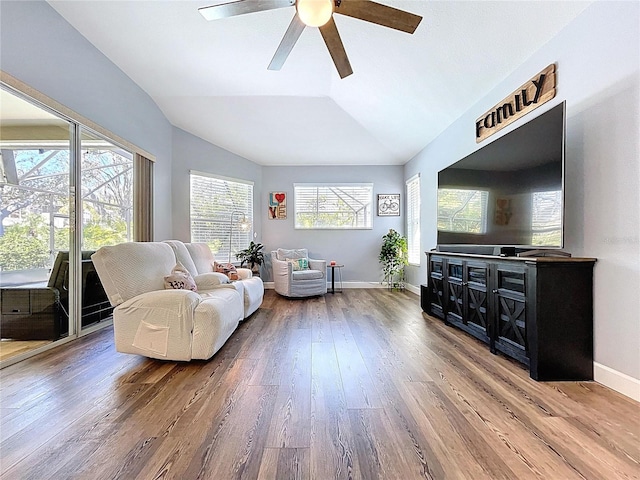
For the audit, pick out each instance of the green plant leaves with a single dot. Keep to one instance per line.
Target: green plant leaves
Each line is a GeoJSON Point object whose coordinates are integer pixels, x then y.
{"type": "Point", "coordinates": [393, 255]}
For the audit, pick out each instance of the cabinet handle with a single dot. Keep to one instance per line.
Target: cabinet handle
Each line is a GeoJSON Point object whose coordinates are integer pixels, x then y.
{"type": "Point", "coordinates": [494, 291]}
{"type": "Point", "coordinates": [464, 284]}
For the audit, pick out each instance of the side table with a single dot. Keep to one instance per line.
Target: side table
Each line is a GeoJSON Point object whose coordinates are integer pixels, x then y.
{"type": "Point", "coordinates": [333, 277]}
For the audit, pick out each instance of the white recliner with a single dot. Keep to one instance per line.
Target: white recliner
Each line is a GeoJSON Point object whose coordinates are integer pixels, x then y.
{"type": "Point", "coordinates": [305, 282]}
{"type": "Point", "coordinates": [164, 323]}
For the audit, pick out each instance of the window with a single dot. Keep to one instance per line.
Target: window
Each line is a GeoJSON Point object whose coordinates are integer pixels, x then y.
{"type": "Point", "coordinates": [107, 192]}
{"type": "Point", "coordinates": [413, 219]}
{"type": "Point", "coordinates": [36, 164]}
{"type": "Point", "coordinates": [34, 218]}
{"type": "Point", "coordinates": [221, 213]}
{"type": "Point", "coordinates": [463, 211]}
{"type": "Point", "coordinates": [342, 206]}
{"type": "Point", "coordinates": [39, 198]}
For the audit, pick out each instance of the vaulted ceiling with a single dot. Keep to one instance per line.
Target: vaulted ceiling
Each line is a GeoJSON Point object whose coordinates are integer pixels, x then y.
{"type": "Point", "coordinates": [211, 78]}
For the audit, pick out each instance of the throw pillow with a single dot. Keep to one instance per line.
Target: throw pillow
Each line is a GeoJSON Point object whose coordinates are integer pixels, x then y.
{"type": "Point", "coordinates": [299, 263]}
{"type": "Point", "coordinates": [210, 280]}
{"type": "Point", "coordinates": [295, 266]}
{"type": "Point", "coordinates": [228, 269]}
{"type": "Point", "coordinates": [180, 279]}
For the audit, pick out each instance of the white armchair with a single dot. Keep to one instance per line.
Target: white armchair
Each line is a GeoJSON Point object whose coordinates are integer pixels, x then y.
{"type": "Point", "coordinates": [305, 282]}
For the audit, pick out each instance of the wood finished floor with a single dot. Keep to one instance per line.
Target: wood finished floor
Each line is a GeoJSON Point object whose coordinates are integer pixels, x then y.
{"type": "Point", "coordinates": [11, 348]}
{"type": "Point", "coordinates": [356, 385]}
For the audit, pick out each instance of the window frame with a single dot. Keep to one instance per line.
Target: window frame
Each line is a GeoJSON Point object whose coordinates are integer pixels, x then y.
{"type": "Point", "coordinates": [368, 222]}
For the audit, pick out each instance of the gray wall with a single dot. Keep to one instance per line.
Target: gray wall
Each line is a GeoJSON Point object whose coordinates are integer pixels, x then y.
{"type": "Point", "coordinates": [193, 153]}
{"type": "Point", "coordinates": [39, 47]}
{"type": "Point", "coordinates": [357, 249]}
{"type": "Point", "coordinates": [597, 58]}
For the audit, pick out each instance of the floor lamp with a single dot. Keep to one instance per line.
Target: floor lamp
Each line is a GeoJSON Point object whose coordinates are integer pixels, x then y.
{"type": "Point", "coordinates": [243, 224]}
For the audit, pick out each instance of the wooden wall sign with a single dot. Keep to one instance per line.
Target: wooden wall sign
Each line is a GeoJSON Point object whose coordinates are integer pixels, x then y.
{"type": "Point", "coordinates": [537, 91]}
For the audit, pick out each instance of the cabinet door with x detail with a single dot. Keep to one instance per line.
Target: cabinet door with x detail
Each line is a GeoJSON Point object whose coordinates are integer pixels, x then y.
{"type": "Point", "coordinates": [476, 277]}
{"type": "Point", "coordinates": [509, 299]}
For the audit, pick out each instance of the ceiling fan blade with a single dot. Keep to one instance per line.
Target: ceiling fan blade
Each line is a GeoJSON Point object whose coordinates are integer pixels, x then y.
{"type": "Point", "coordinates": [379, 14]}
{"type": "Point", "coordinates": [286, 45]}
{"type": "Point", "coordinates": [332, 38]}
{"type": "Point", "coordinates": [240, 7]}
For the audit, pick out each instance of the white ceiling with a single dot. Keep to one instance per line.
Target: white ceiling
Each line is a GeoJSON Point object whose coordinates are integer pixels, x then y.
{"type": "Point", "coordinates": [211, 78]}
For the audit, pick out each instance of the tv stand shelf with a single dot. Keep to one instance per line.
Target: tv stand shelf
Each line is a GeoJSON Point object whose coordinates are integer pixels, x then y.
{"type": "Point", "coordinates": [537, 310]}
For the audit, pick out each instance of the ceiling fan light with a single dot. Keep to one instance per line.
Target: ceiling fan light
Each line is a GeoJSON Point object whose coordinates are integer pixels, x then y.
{"type": "Point", "coordinates": [314, 13]}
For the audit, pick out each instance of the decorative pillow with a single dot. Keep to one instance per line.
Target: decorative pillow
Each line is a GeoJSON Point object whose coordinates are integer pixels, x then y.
{"type": "Point", "coordinates": [210, 280]}
{"type": "Point", "coordinates": [228, 269]}
{"type": "Point", "coordinates": [299, 263]}
{"type": "Point", "coordinates": [295, 266]}
{"type": "Point", "coordinates": [180, 279]}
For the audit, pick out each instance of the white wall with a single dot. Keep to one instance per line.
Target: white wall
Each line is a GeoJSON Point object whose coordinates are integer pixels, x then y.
{"type": "Point", "coordinates": [357, 249]}
{"type": "Point", "coordinates": [39, 47]}
{"type": "Point", "coordinates": [193, 153]}
{"type": "Point", "coordinates": [598, 74]}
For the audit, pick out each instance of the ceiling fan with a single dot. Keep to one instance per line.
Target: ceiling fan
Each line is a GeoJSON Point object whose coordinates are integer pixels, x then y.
{"type": "Point", "coordinates": [318, 13]}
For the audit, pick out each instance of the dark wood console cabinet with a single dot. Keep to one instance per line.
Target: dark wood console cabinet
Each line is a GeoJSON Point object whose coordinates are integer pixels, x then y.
{"type": "Point", "coordinates": [538, 311]}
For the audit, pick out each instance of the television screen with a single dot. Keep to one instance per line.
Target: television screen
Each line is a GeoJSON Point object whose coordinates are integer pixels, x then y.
{"type": "Point", "coordinates": [510, 192]}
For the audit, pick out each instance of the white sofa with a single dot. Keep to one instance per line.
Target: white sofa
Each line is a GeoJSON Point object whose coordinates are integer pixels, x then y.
{"type": "Point", "coordinates": [198, 259]}
{"type": "Point", "coordinates": [172, 324]}
{"type": "Point", "coordinates": [302, 283]}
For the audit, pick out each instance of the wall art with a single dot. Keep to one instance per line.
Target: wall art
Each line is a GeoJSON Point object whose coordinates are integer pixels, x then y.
{"type": "Point", "coordinates": [388, 204]}
{"type": "Point", "coordinates": [277, 205]}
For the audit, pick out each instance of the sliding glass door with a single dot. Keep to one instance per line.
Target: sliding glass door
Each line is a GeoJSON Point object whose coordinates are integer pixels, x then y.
{"type": "Point", "coordinates": [107, 214]}
{"type": "Point", "coordinates": [65, 191]}
{"type": "Point", "coordinates": [36, 212]}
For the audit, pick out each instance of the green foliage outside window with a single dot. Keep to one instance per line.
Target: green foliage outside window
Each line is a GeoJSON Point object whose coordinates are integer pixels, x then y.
{"type": "Point", "coordinates": [41, 199]}
{"type": "Point", "coordinates": [96, 235]}
{"type": "Point", "coordinates": [25, 246]}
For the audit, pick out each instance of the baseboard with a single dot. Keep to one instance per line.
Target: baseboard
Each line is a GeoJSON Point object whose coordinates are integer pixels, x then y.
{"type": "Point", "coordinates": [411, 288]}
{"type": "Point", "coordinates": [362, 285]}
{"type": "Point", "coordinates": [618, 381]}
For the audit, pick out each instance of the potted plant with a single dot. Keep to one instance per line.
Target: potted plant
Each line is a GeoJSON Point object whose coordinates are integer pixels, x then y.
{"type": "Point", "coordinates": [393, 257]}
{"type": "Point", "coordinates": [253, 256]}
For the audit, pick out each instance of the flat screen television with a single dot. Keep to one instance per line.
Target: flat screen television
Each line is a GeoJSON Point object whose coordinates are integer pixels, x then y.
{"type": "Point", "coordinates": [509, 193]}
